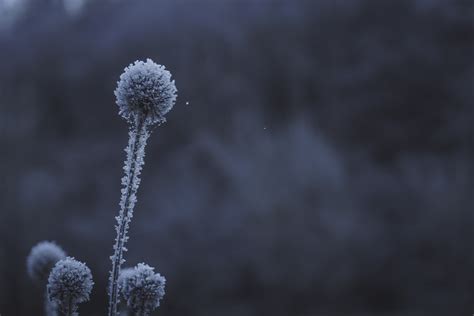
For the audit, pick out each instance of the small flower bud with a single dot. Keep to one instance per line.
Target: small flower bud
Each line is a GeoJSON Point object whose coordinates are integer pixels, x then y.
{"type": "Point", "coordinates": [42, 259]}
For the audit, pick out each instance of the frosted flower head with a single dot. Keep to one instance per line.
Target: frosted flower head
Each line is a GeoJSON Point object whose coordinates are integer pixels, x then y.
{"type": "Point", "coordinates": [42, 259]}
{"type": "Point", "coordinates": [69, 283]}
{"type": "Point", "coordinates": [143, 289]}
{"type": "Point", "coordinates": [145, 90]}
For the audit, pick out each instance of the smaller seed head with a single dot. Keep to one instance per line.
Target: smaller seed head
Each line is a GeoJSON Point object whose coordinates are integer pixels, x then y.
{"type": "Point", "coordinates": [69, 283]}
{"type": "Point", "coordinates": [42, 259]}
{"type": "Point", "coordinates": [143, 289]}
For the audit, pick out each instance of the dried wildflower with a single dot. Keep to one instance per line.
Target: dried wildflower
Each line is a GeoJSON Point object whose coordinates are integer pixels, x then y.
{"type": "Point", "coordinates": [69, 284]}
{"type": "Point", "coordinates": [145, 90]}
{"type": "Point", "coordinates": [145, 93]}
{"type": "Point", "coordinates": [143, 289]}
{"type": "Point", "coordinates": [42, 259]}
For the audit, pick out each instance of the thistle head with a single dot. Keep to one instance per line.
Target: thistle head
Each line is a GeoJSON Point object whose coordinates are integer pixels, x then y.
{"type": "Point", "coordinates": [143, 289]}
{"type": "Point", "coordinates": [145, 91]}
{"type": "Point", "coordinates": [69, 284]}
{"type": "Point", "coordinates": [42, 259]}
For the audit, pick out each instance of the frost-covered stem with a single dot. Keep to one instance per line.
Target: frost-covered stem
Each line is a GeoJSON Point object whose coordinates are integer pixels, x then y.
{"type": "Point", "coordinates": [50, 308]}
{"type": "Point", "coordinates": [142, 311]}
{"type": "Point", "coordinates": [135, 150]}
{"type": "Point", "coordinates": [69, 308]}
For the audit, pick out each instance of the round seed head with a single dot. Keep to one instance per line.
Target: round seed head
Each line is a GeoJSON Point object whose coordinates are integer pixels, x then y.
{"type": "Point", "coordinates": [145, 90]}
{"type": "Point", "coordinates": [42, 259]}
{"type": "Point", "coordinates": [69, 283]}
{"type": "Point", "coordinates": [143, 289]}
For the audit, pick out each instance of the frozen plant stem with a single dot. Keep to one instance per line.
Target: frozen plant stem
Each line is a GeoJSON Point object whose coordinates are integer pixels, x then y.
{"type": "Point", "coordinates": [135, 150]}
{"type": "Point", "coordinates": [69, 308]}
{"type": "Point", "coordinates": [145, 93]}
{"type": "Point", "coordinates": [50, 308]}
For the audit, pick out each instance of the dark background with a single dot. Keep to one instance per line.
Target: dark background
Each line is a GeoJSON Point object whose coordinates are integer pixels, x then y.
{"type": "Point", "coordinates": [324, 164]}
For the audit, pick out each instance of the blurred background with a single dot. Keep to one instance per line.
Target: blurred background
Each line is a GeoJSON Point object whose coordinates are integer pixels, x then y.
{"type": "Point", "coordinates": [319, 160]}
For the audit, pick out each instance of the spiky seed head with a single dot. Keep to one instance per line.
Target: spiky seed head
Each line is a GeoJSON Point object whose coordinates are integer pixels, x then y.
{"type": "Point", "coordinates": [145, 90]}
{"type": "Point", "coordinates": [42, 259]}
{"type": "Point", "coordinates": [69, 283]}
{"type": "Point", "coordinates": [143, 289]}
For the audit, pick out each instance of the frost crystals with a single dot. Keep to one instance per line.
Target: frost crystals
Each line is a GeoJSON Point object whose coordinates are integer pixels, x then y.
{"type": "Point", "coordinates": [135, 150]}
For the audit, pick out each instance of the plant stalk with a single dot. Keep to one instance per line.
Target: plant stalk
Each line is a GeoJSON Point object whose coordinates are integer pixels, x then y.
{"type": "Point", "coordinates": [131, 181]}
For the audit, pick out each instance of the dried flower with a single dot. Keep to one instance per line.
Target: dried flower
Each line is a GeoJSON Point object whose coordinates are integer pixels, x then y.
{"type": "Point", "coordinates": [143, 289]}
{"type": "Point", "coordinates": [145, 90]}
{"type": "Point", "coordinates": [145, 93]}
{"type": "Point", "coordinates": [69, 284]}
{"type": "Point", "coordinates": [42, 259]}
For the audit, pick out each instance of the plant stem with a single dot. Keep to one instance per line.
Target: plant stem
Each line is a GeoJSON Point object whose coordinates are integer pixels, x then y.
{"type": "Point", "coordinates": [69, 308]}
{"type": "Point", "coordinates": [50, 308]}
{"type": "Point", "coordinates": [133, 164]}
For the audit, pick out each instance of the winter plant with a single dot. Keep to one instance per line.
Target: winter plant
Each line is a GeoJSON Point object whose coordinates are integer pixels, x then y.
{"type": "Point", "coordinates": [42, 259]}
{"type": "Point", "coordinates": [144, 94]}
{"type": "Point", "coordinates": [39, 263]}
{"type": "Point", "coordinates": [142, 289]}
{"type": "Point", "coordinates": [69, 284]}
